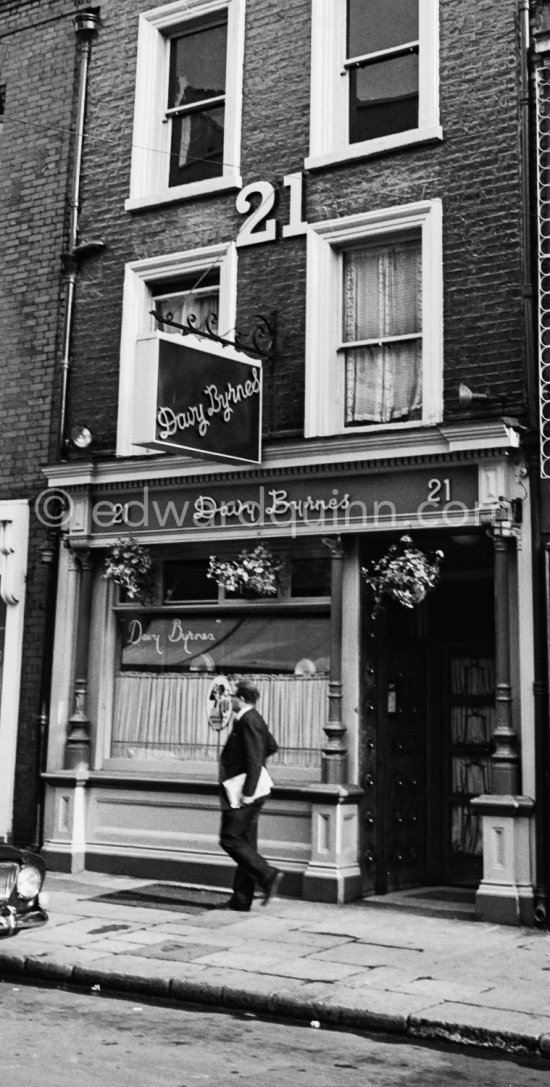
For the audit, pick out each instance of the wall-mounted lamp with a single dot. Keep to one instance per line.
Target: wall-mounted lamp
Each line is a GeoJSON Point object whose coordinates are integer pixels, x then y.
{"type": "Point", "coordinates": [466, 397]}
{"type": "Point", "coordinates": [85, 249]}
{"type": "Point", "coordinates": [47, 550]}
{"type": "Point", "coordinates": [80, 437]}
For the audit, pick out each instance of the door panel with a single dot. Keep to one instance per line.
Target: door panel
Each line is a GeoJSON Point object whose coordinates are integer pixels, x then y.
{"type": "Point", "coordinates": [394, 759]}
{"type": "Point", "coordinates": [404, 721]}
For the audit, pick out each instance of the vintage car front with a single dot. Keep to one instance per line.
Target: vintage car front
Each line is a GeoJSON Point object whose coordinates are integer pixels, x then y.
{"type": "Point", "coordinates": [22, 899]}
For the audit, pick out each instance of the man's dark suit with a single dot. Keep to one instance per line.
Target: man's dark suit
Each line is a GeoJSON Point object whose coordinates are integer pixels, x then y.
{"type": "Point", "coordinates": [248, 745]}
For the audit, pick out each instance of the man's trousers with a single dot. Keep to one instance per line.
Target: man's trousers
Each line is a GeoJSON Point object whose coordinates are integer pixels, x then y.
{"type": "Point", "coordinates": [239, 838]}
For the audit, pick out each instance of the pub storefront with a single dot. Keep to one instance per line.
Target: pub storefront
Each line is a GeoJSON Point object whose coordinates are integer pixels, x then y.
{"type": "Point", "coordinates": [386, 725]}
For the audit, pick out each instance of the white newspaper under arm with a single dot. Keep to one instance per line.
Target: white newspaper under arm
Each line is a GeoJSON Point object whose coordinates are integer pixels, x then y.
{"type": "Point", "coordinates": [234, 787]}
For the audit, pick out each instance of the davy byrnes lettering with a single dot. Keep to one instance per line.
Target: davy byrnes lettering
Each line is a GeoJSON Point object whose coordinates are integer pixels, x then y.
{"type": "Point", "coordinates": [218, 402]}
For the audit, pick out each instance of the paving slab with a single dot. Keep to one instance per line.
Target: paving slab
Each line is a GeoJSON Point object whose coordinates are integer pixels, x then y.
{"type": "Point", "coordinates": [279, 966]}
{"type": "Point", "coordinates": [174, 951]}
{"type": "Point", "coordinates": [369, 956]}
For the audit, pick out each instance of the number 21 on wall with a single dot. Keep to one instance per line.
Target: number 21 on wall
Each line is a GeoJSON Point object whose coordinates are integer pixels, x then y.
{"type": "Point", "coordinates": [438, 489]}
{"type": "Point", "coordinates": [252, 231]}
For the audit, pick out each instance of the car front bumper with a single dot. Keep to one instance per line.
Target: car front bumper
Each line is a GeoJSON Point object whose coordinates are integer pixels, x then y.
{"type": "Point", "coordinates": [13, 921]}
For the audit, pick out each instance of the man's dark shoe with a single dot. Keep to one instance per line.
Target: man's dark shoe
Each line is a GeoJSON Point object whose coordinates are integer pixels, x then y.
{"type": "Point", "coordinates": [232, 905]}
{"type": "Point", "coordinates": [271, 887]}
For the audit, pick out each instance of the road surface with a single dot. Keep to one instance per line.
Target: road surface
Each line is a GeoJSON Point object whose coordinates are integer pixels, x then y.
{"type": "Point", "coordinates": [56, 1038]}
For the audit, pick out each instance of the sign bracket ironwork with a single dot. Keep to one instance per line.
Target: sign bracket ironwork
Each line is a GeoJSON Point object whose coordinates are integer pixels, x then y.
{"type": "Point", "coordinates": [260, 342]}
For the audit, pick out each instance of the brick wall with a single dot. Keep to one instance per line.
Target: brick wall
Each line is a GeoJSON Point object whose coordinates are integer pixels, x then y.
{"type": "Point", "coordinates": [37, 68]}
{"type": "Point", "coordinates": [475, 171]}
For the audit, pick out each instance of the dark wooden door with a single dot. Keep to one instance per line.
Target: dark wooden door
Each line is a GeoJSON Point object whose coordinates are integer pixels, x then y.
{"type": "Point", "coordinates": [394, 756]}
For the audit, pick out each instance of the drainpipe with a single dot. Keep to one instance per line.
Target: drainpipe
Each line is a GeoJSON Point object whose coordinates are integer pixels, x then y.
{"type": "Point", "coordinates": [86, 25]}
{"type": "Point", "coordinates": [539, 579]}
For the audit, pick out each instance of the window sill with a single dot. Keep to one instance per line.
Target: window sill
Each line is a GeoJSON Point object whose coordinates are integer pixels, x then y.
{"type": "Point", "coordinates": [197, 778]}
{"type": "Point", "coordinates": [371, 428]}
{"type": "Point", "coordinates": [185, 192]}
{"type": "Point", "coordinates": [375, 147]}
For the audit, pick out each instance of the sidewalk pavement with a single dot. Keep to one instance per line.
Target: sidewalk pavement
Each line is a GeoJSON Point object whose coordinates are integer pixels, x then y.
{"type": "Point", "coordinates": [358, 966]}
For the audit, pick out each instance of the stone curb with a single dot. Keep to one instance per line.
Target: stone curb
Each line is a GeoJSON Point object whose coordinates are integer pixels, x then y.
{"type": "Point", "coordinates": [281, 1006]}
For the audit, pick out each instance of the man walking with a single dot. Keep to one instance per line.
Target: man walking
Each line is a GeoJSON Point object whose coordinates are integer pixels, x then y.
{"type": "Point", "coordinates": [248, 745]}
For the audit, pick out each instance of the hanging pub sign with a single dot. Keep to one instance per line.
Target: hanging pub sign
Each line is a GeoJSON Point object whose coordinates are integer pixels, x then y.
{"type": "Point", "coordinates": [197, 397]}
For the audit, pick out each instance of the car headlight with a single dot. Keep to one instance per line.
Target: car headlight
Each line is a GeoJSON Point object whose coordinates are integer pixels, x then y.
{"type": "Point", "coordinates": [29, 881]}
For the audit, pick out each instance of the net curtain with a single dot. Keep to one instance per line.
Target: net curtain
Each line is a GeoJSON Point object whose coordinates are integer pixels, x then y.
{"type": "Point", "coordinates": [166, 716]}
{"type": "Point", "coordinates": [382, 300]}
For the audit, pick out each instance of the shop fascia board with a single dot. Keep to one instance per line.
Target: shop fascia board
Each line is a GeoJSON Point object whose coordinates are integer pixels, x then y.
{"type": "Point", "coordinates": [435, 441]}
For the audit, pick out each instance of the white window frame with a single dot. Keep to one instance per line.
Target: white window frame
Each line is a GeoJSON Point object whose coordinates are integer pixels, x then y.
{"type": "Point", "coordinates": [325, 369]}
{"type": "Point", "coordinates": [329, 141]}
{"type": "Point", "coordinates": [138, 301]}
{"type": "Point", "coordinates": [151, 137]}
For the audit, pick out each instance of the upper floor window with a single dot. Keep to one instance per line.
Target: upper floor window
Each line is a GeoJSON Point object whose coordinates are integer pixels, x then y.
{"type": "Point", "coordinates": [374, 77]}
{"type": "Point", "coordinates": [197, 286]}
{"type": "Point", "coordinates": [196, 103]}
{"type": "Point", "coordinates": [188, 300]}
{"type": "Point", "coordinates": [373, 346]}
{"type": "Point", "coordinates": [187, 118]}
{"type": "Point", "coordinates": [382, 66]}
{"type": "Point", "coordinates": [382, 331]}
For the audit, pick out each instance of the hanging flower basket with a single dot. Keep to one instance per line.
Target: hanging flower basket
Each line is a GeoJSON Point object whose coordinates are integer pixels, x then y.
{"type": "Point", "coordinates": [129, 565]}
{"type": "Point", "coordinates": [404, 574]}
{"type": "Point", "coordinates": [257, 572]}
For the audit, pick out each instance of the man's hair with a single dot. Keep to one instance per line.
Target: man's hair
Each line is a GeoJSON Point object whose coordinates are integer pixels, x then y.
{"type": "Point", "coordinates": [247, 691]}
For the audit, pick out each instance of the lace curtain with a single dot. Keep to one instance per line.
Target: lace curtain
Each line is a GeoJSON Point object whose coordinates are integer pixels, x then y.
{"type": "Point", "coordinates": [199, 304]}
{"type": "Point", "coordinates": [382, 302]}
{"type": "Point", "coordinates": [165, 717]}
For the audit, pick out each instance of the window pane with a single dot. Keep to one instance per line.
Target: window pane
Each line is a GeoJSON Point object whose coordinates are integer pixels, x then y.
{"type": "Point", "coordinates": [187, 298]}
{"type": "Point", "coordinates": [380, 24]}
{"type": "Point", "coordinates": [383, 98]}
{"type": "Point", "coordinates": [382, 291]}
{"type": "Point", "coordinates": [384, 383]}
{"type": "Point", "coordinates": [162, 717]}
{"type": "Point", "coordinates": [162, 692]}
{"type": "Point", "coordinates": [230, 644]}
{"type": "Point", "coordinates": [188, 581]}
{"type": "Point", "coordinates": [197, 308]}
{"type": "Point", "coordinates": [197, 146]}
{"type": "Point", "coordinates": [310, 577]}
{"type": "Point", "coordinates": [197, 66]}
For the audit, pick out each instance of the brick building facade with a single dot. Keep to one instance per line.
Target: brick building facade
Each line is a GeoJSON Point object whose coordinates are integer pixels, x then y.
{"type": "Point", "coordinates": [296, 161]}
{"type": "Point", "coordinates": [37, 73]}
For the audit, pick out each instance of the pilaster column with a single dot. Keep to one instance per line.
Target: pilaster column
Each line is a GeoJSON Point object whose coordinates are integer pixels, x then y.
{"type": "Point", "coordinates": [505, 759]}
{"type": "Point", "coordinates": [77, 748]}
{"type": "Point", "coordinates": [505, 894]}
{"type": "Point", "coordinates": [334, 760]}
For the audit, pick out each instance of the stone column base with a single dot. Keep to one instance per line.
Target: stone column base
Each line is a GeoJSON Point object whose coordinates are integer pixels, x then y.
{"type": "Point", "coordinates": [65, 820]}
{"type": "Point", "coordinates": [505, 895]}
{"type": "Point", "coordinates": [333, 873]}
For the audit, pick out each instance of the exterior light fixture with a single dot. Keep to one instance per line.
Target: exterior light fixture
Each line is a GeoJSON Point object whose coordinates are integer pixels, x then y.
{"type": "Point", "coordinates": [466, 397]}
{"type": "Point", "coordinates": [47, 550]}
{"type": "Point", "coordinates": [80, 437]}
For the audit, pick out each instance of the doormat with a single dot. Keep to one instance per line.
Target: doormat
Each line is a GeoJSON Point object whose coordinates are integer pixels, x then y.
{"type": "Point", "coordinates": [451, 894]}
{"type": "Point", "coordinates": [166, 896]}
{"type": "Point", "coordinates": [457, 903]}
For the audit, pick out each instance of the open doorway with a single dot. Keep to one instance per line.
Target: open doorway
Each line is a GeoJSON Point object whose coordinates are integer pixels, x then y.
{"type": "Point", "coordinates": [427, 720]}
